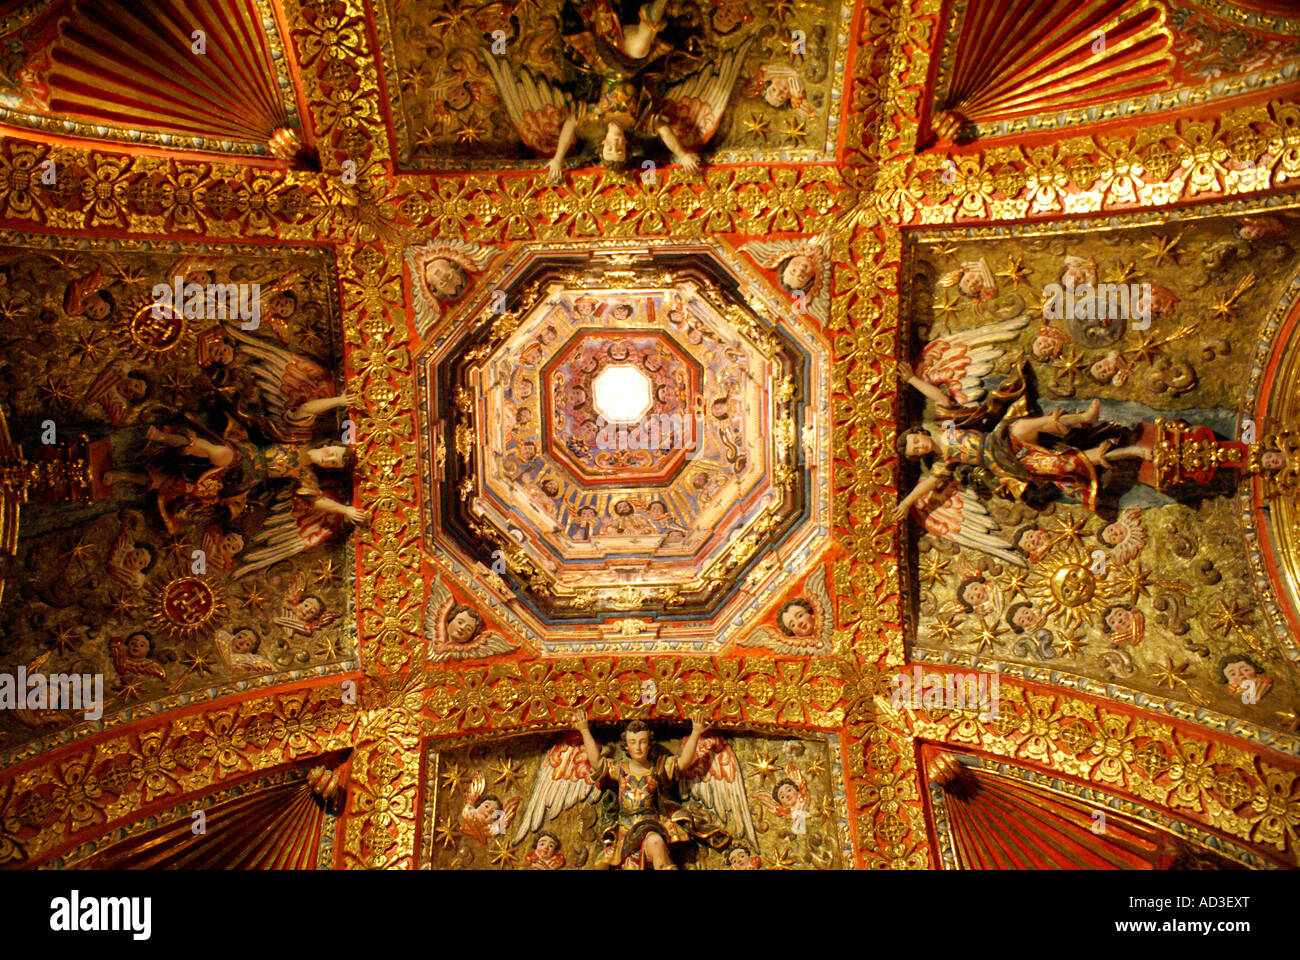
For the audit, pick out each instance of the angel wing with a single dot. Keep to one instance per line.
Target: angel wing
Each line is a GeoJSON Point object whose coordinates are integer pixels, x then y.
{"type": "Point", "coordinates": [715, 779]}
{"type": "Point", "coordinates": [956, 514]}
{"type": "Point", "coordinates": [286, 380]}
{"type": "Point", "coordinates": [292, 527]}
{"type": "Point", "coordinates": [78, 290]}
{"type": "Point", "coordinates": [536, 109]}
{"type": "Point", "coordinates": [563, 780]}
{"type": "Point", "coordinates": [484, 645]}
{"type": "Point", "coordinates": [694, 107]}
{"type": "Point", "coordinates": [959, 362]}
{"type": "Point", "coordinates": [819, 641]}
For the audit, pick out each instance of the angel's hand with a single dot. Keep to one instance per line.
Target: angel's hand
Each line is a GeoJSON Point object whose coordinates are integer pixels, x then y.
{"type": "Point", "coordinates": [900, 512]}
{"type": "Point", "coordinates": [699, 723]}
{"type": "Point", "coordinates": [579, 720]}
{"type": "Point", "coordinates": [905, 371]}
{"type": "Point", "coordinates": [690, 162]}
{"type": "Point", "coordinates": [346, 399]}
{"type": "Point", "coordinates": [555, 169]}
{"type": "Point", "coordinates": [355, 514]}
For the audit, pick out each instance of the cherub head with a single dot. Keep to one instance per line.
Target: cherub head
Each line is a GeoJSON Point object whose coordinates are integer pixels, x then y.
{"type": "Point", "coordinates": [1048, 343]}
{"type": "Point", "coordinates": [638, 740]}
{"type": "Point", "coordinates": [97, 305]}
{"type": "Point", "coordinates": [1272, 460]}
{"type": "Point", "coordinates": [309, 608]}
{"type": "Point", "coordinates": [488, 806]}
{"type": "Point", "coordinates": [797, 618]}
{"type": "Point", "coordinates": [786, 794]}
{"type": "Point", "coordinates": [551, 487]}
{"type": "Point", "coordinates": [620, 311]}
{"type": "Point", "coordinates": [623, 509]}
{"type": "Point", "coordinates": [546, 845]}
{"type": "Point", "coordinates": [458, 96]}
{"type": "Point", "coordinates": [1118, 619]}
{"type": "Point", "coordinates": [1031, 540]}
{"type": "Point", "coordinates": [463, 623]}
{"type": "Point", "coordinates": [134, 388]}
{"type": "Point", "coordinates": [739, 858]}
{"type": "Point", "coordinates": [139, 646]}
{"type": "Point", "coordinates": [446, 278]}
{"type": "Point", "coordinates": [245, 640]}
{"type": "Point", "coordinates": [1237, 668]}
{"type": "Point", "coordinates": [138, 560]}
{"type": "Point", "coordinates": [657, 510]}
{"type": "Point", "coordinates": [975, 596]}
{"type": "Point", "coordinates": [1024, 616]}
{"type": "Point", "coordinates": [798, 273]}
{"type": "Point", "coordinates": [1110, 369]}
{"type": "Point", "coordinates": [284, 305]}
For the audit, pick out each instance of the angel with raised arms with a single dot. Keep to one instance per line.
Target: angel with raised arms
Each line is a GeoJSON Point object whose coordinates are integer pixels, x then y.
{"type": "Point", "coordinates": [648, 823]}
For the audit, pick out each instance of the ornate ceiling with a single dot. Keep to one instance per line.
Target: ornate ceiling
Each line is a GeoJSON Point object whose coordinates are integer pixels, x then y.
{"type": "Point", "coordinates": [428, 446]}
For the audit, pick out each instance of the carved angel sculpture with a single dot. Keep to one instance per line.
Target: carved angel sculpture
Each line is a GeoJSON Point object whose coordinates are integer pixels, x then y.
{"type": "Point", "coordinates": [616, 57]}
{"type": "Point", "coordinates": [440, 273]}
{"type": "Point", "coordinates": [301, 612]}
{"type": "Point", "coordinates": [789, 799]}
{"type": "Point", "coordinates": [802, 268]}
{"type": "Point", "coordinates": [804, 624]}
{"type": "Point", "coordinates": [990, 440]}
{"type": "Point", "coordinates": [455, 630]}
{"type": "Point", "coordinates": [647, 823]}
{"type": "Point", "coordinates": [295, 390]}
{"type": "Point", "coordinates": [484, 816]}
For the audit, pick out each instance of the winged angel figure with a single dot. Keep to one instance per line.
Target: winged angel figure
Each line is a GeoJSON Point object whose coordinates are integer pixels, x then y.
{"type": "Point", "coordinates": [990, 440]}
{"type": "Point", "coordinates": [455, 630]}
{"type": "Point", "coordinates": [623, 65]}
{"type": "Point", "coordinates": [804, 624]}
{"type": "Point", "coordinates": [803, 270]}
{"type": "Point", "coordinates": [647, 823]}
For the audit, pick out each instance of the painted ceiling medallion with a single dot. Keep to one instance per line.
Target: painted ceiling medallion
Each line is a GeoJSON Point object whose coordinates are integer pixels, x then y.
{"type": "Point", "coordinates": [627, 438]}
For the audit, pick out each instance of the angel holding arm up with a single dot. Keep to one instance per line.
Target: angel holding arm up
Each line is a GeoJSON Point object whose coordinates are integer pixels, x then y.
{"type": "Point", "coordinates": [648, 823]}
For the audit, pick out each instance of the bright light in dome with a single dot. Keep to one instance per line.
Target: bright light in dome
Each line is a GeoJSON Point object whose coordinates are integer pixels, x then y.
{"type": "Point", "coordinates": [622, 393]}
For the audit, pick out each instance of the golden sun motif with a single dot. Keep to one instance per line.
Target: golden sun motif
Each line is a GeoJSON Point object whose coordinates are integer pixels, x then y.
{"type": "Point", "coordinates": [1066, 589]}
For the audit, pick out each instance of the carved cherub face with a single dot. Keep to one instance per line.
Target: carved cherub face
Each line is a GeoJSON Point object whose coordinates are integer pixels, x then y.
{"type": "Point", "coordinates": [777, 92]}
{"type": "Point", "coordinates": [739, 859]}
{"type": "Point", "coordinates": [638, 745]}
{"type": "Point", "coordinates": [244, 641]}
{"type": "Point", "coordinates": [1114, 533]}
{"type": "Point", "coordinates": [799, 272]}
{"type": "Point", "coordinates": [1119, 620]}
{"type": "Point", "coordinates": [545, 846]}
{"type": "Point", "coordinates": [487, 807]}
{"type": "Point", "coordinates": [97, 306]}
{"type": "Point", "coordinates": [137, 646]}
{"type": "Point", "coordinates": [462, 627]}
{"type": "Point", "coordinates": [445, 278]}
{"type": "Point", "coordinates": [459, 97]}
{"type": "Point", "coordinates": [309, 609]}
{"type": "Point", "coordinates": [1027, 618]}
{"type": "Point", "coordinates": [284, 305]}
{"type": "Point", "coordinates": [1272, 460]}
{"type": "Point", "coordinates": [1035, 542]}
{"type": "Point", "coordinates": [137, 559]}
{"type": "Point", "coordinates": [797, 617]}
{"type": "Point", "coordinates": [787, 795]}
{"type": "Point", "coordinates": [1238, 672]}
